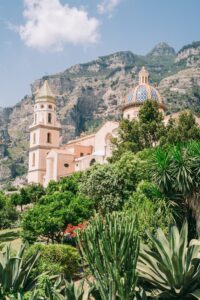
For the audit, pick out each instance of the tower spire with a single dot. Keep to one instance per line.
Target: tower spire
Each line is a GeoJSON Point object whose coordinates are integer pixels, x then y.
{"type": "Point", "coordinates": [45, 93]}
{"type": "Point", "coordinates": [143, 76]}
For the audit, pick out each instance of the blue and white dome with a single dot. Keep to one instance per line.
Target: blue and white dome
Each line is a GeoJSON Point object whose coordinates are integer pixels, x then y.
{"type": "Point", "coordinates": [143, 91]}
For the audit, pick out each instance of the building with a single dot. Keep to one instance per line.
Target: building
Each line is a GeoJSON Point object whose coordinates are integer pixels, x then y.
{"type": "Point", "coordinates": [142, 92]}
{"type": "Point", "coordinates": [48, 160]}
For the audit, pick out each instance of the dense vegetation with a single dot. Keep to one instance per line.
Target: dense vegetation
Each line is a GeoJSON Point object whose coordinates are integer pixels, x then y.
{"type": "Point", "coordinates": [117, 231]}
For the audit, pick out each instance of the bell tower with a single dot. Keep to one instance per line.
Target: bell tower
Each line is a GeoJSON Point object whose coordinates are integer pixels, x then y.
{"type": "Point", "coordinates": [44, 133]}
{"type": "Point", "coordinates": [143, 76]}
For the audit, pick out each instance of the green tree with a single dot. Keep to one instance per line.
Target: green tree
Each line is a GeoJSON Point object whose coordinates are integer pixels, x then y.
{"type": "Point", "coordinates": [110, 185]}
{"type": "Point", "coordinates": [50, 216]}
{"type": "Point", "coordinates": [29, 194]}
{"type": "Point", "coordinates": [137, 135]}
{"type": "Point", "coordinates": [176, 170]}
{"type": "Point", "coordinates": [181, 130]}
{"type": "Point", "coordinates": [8, 213]}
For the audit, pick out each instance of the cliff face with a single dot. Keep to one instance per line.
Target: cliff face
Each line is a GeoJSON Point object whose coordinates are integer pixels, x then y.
{"type": "Point", "coordinates": [87, 94]}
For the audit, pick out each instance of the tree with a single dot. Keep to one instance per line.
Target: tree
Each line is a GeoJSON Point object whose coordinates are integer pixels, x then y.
{"type": "Point", "coordinates": [29, 194]}
{"type": "Point", "coordinates": [182, 130]}
{"type": "Point", "coordinates": [52, 213]}
{"type": "Point", "coordinates": [137, 135]}
{"type": "Point", "coordinates": [8, 213]}
{"type": "Point", "coordinates": [110, 185]}
{"type": "Point", "coordinates": [176, 170]}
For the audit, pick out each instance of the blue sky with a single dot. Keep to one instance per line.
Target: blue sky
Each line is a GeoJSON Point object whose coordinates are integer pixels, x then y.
{"type": "Point", "coordinates": [42, 37]}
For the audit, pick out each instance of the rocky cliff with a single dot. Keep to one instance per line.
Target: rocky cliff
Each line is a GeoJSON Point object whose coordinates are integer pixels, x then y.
{"type": "Point", "coordinates": [87, 94]}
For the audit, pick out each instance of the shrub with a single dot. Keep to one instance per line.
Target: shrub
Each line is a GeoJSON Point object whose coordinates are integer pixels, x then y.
{"type": "Point", "coordinates": [55, 259]}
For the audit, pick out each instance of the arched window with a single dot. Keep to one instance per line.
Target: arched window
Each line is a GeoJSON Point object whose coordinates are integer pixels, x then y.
{"type": "Point", "coordinates": [48, 137]}
{"type": "Point", "coordinates": [49, 118]}
{"type": "Point", "coordinates": [92, 162]}
{"type": "Point", "coordinates": [33, 160]}
{"type": "Point", "coordinates": [34, 138]}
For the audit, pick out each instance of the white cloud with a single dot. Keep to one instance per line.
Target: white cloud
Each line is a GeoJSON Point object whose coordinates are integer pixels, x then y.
{"type": "Point", "coordinates": [107, 6]}
{"type": "Point", "coordinates": [50, 25]}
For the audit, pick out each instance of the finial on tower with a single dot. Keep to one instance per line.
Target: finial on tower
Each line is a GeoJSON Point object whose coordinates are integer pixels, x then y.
{"type": "Point", "coordinates": [143, 76]}
{"type": "Point", "coordinates": [45, 94]}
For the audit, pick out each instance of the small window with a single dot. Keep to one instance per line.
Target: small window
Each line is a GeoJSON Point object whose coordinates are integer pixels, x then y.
{"type": "Point", "coordinates": [66, 165]}
{"type": "Point", "coordinates": [42, 106]}
{"type": "Point", "coordinates": [81, 154]}
{"type": "Point", "coordinates": [33, 160]}
{"type": "Point", "coordinates": [48, 137]}
{"type": "Point", "coordinates": [35, 117]}
{"type": "Point", "coordinates": [128, 116]}
{"type": "Point", "coordinates": [49, 118]}
{"type": "Point", "coordinates": [50, 106]}
{"type": "Point", "coordinates": [34, 138]}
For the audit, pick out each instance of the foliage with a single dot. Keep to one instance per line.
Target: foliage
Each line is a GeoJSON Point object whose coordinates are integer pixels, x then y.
{"type": "Point", "coordinates": [8, 213]}
{"type": "Point", "coordinates": [176, 170]}
{"type": "Point", "coordinates": [14, 273]}
{"type": "Point", "coordinates": [137, 135]}
{"type": "Point", "coordinates": [29, 194]}
{"type": "Point", "coordinates": [54, 259]}
{"type": "Point", "coordinates": [110, 185]}
{"type": "Point", "coordinates": [182, 130]}
{"type": "Point", "coordinates": [69, 183]}
{"type": "Point", "coordinates": [52, 213]}
{"type": "Point", "coordinates": [110, 247]}
{"type": "Point", "coordinates": [151, 209]}
{"type": "Point", "coordinates": [173, 268]}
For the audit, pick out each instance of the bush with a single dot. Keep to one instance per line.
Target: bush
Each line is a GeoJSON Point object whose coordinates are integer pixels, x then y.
{"type": "Point", "coordinates": [8, 213]}
{"type": "Point", "coordinates": [151, 211]}
{"type": "Point", "coordinates": [55, 259]}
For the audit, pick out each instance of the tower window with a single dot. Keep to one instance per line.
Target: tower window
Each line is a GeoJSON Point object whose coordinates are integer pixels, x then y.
{"type": "Point", "coordinates": [48, 137]}
{"type": "Point", "coordinates": [34, 138]}
{"type": "Point", "coordinates": [50, 106]}
{"type": "Point", "coordinates": [33, 160]}
{"type": "Point", "coordinates": [49, 118]}
{"type": "Point", "coordinates": [35, 117]}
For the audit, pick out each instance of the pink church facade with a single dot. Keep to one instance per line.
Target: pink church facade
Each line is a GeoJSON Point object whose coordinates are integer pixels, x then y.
{"type": "Point", "coordinates": [49, 160]}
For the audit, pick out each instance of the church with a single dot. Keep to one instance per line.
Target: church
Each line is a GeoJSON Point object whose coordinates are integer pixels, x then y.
{"type": "Point", "coordinates": [48, 160]}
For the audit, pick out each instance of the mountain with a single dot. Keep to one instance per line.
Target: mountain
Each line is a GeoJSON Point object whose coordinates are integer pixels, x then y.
{"type": "Point", "coordinates": [88, 94]}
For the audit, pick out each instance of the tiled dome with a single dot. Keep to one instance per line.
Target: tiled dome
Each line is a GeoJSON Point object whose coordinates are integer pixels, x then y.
{"type": "Point", "coordinates": [143, 91]}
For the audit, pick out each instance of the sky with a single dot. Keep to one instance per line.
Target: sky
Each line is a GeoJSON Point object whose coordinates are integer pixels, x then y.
{"type": "Point", "coordinates": [43, 37]}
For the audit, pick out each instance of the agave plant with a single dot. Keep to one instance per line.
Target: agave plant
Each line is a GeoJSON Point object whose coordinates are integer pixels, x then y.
{"type": "Point", "coordinates": [61, 289]}
{"type": "Point", "coordinates": [173, 268]}
{"type": "Point", "coordinates": [14, 273]}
